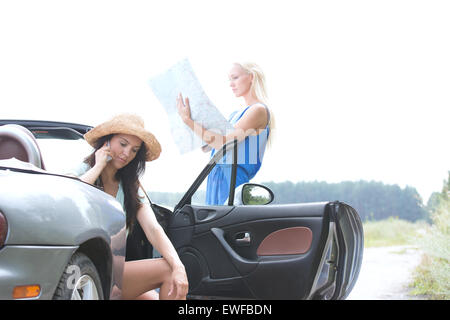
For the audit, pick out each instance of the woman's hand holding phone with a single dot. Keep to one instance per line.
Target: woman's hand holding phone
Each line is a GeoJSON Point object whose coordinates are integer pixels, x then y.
{"type": "Point", "coordinates": [108, 158]}
{"type": "Point", "coordinates": [103, 155]}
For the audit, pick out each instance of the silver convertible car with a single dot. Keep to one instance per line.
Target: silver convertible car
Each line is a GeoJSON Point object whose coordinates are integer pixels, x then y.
{"type": "Point", "coordinates": [61, 238]}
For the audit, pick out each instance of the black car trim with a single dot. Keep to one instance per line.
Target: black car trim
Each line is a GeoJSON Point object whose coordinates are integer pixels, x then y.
{"type": "Point", "coordinates": [64, 133]}
{"type": "Point", "coordinates": [233, 174]}
{"type": "Point", "coordinates": [80, 128]}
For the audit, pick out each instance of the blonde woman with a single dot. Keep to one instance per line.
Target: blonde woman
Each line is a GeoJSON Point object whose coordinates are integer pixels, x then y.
{"type": "Point", "coordinates": [252, 124]}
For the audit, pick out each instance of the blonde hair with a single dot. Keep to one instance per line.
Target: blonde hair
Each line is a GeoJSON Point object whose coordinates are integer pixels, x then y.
{"type": "Point", "coordinates": [259, 89]}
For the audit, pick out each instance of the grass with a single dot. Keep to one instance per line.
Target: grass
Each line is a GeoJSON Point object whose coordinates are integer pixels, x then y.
{"type": "Point", "coordinates": [392, 232]}
{"type": "Point", "coordinates": [431, 279]}
{"type": "Point", "coordinates": [432, 276]}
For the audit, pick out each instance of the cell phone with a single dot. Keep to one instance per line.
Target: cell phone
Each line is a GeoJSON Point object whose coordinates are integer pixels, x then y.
{"type": "Point", "coordinates": [109, 158]}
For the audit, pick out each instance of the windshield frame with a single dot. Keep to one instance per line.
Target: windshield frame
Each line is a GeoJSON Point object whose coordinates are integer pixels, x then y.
{"type": "Point", "coordinates": [230, 146]}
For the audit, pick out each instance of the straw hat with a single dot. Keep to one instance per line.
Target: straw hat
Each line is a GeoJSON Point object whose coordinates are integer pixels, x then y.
{"type": "Point", "coordinates": [127, 124]}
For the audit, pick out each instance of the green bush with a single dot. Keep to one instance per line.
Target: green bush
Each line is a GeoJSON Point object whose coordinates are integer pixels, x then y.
{"type": "Point", "coordinates": [432, 277]}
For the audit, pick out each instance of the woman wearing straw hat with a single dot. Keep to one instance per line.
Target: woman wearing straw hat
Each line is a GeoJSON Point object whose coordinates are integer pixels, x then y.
{"type": "Point", "coordinates": [122, 146]}
{"type": "Point", "coordinates": [253, 128]}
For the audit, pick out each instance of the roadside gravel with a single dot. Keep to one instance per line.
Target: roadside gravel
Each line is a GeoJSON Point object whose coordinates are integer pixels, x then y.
{"type": "Point", "coordinates": [385, 273]}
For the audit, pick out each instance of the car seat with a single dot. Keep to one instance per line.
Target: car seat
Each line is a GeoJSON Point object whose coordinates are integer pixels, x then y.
{"type": "Point", "coordinates": [18, 142]}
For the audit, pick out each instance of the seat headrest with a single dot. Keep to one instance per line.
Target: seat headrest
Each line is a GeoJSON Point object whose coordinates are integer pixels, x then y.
{"type": "Point", "coordinates": [18, 142]}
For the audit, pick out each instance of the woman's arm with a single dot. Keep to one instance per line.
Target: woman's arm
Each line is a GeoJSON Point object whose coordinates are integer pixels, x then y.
{"type": "Point", "coordinates": [101, 159]}
{"type": "Point", "coordinates": [255, 118]}
{"type": "Point", "coordinates": [92, 174]}
{"type": "Point", "coordinates": [158, 238]}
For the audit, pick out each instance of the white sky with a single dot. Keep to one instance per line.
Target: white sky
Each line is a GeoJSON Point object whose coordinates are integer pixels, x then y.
{"type": "Point", "coordinates": [360, 89]}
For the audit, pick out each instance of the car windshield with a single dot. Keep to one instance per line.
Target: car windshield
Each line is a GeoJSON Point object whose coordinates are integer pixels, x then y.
{"type": "Point", "coordinates": [62, 156]}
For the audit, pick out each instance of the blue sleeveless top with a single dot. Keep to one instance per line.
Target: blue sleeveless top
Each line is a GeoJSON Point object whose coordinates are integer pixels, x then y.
{"type": "Point", "coordinates": [250, 156]}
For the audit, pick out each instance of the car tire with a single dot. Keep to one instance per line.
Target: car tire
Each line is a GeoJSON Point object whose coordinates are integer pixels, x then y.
{"type": "Point", "coordinates": [80, 280]}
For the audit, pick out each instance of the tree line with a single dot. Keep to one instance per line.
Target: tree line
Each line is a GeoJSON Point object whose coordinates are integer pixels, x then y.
{"type": "Point", "coordinates": [437, 199]}
{"type": "Point", "coordinates": [373, 200]}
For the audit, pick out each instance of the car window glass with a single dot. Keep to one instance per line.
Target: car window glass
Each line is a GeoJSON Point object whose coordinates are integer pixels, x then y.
{"type": "Point", "coordinates": [61, 156]}
{"type": "Point", "coordinates": [199, 197]}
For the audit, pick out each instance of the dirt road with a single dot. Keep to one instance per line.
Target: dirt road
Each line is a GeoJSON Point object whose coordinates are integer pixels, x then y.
{"type": "Point", "coordinates": [385, 273]}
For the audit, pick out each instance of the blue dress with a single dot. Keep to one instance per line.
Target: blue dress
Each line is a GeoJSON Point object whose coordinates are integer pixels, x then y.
{"type": "Point", "coordinates": [250, 156]}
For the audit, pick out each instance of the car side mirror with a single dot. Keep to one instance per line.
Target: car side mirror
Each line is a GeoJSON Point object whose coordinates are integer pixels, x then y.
{"type": "Point", "coordinates": [253, 194]}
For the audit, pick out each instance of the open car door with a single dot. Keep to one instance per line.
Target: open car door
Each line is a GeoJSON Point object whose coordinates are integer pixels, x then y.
{"type": "Point", "coordinates": [243, 251]}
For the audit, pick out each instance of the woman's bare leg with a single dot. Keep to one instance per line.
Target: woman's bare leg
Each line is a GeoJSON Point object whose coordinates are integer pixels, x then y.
{"type": "Point", "coordinates": [141, 276]}
{"type": "Point", "coordinates": [149, 295]}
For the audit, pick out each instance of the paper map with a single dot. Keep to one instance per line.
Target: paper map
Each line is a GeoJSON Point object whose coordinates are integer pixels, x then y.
{"type": "Point", "coordinates": [181, 78]}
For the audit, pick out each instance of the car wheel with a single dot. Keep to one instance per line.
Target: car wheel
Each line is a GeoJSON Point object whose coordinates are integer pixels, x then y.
{"type": "Point", "coordinates": [80, 280]}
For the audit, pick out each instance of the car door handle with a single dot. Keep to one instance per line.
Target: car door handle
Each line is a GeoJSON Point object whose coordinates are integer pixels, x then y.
{"type": "Point", "coordinates": [243, 238]}
{"type": "Point", "coordinates": [243, 266]}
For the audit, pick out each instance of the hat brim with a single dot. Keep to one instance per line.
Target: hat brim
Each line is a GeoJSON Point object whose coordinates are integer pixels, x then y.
{"type": "Point", "coordinates": [115, 126]}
